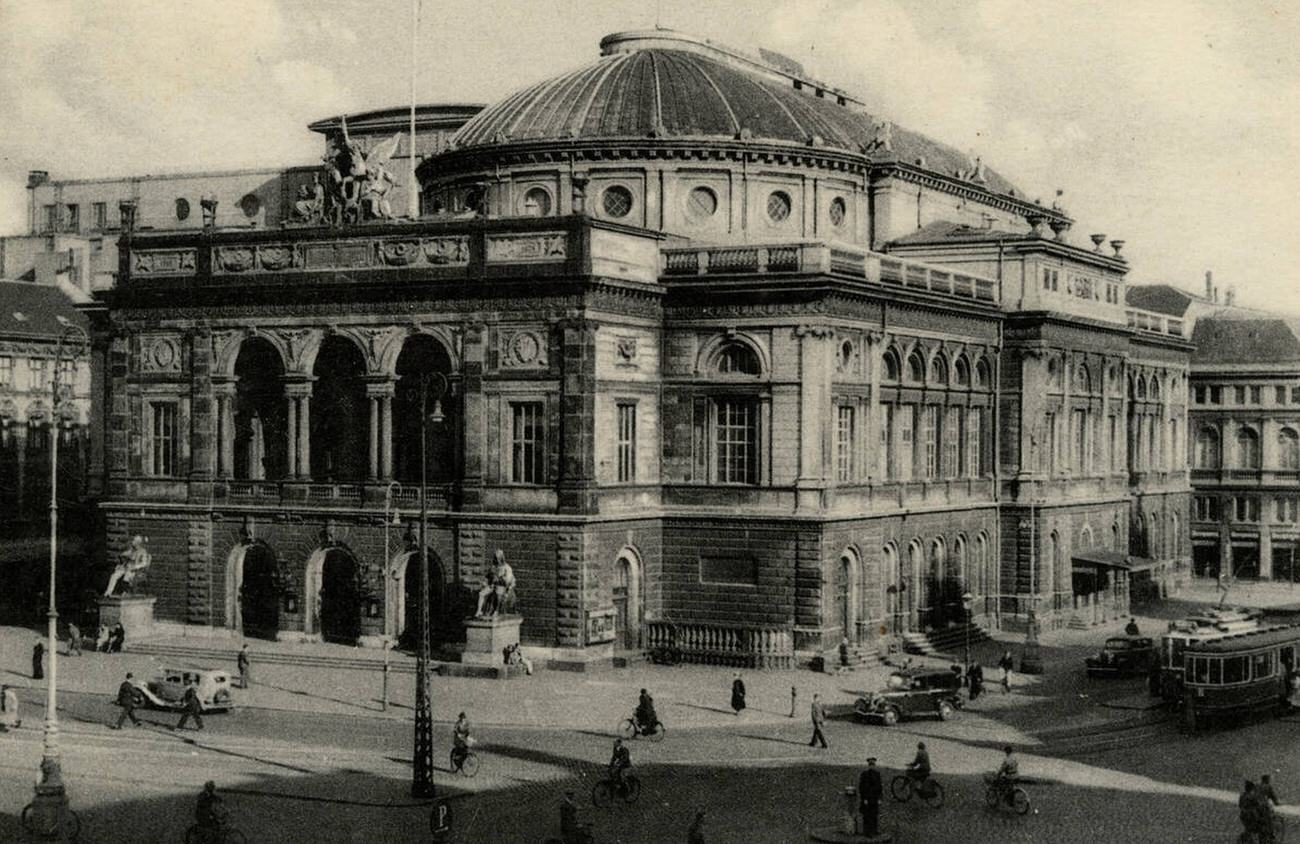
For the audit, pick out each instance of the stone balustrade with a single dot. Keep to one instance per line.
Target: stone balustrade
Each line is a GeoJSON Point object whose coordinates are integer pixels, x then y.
{"type": "Point", "coordinates": [740, 646]}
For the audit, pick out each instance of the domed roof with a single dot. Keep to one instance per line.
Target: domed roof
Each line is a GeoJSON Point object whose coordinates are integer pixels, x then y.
{"type": "Point", "coordinates": [668, 93]}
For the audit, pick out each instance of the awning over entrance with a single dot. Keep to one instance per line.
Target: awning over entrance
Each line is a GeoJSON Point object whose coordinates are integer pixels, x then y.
{"type": "Point", "coordinates": [1105, 559]}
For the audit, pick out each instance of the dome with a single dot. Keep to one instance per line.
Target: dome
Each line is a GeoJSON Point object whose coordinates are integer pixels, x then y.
{"type": "Point", "coordinates": [685, 94]}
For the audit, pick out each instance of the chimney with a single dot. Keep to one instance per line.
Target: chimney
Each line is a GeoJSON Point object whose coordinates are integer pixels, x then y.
{"type": "Point", "coordinates": [1209, 285]}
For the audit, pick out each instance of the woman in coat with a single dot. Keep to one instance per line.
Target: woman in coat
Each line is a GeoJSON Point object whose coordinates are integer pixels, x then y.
{"type": "Point", "coordinates": [737, 694]}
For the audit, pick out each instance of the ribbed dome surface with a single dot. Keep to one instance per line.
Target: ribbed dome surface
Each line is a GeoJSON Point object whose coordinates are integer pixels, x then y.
{"type": "Point", "coordinates": [678, 94]}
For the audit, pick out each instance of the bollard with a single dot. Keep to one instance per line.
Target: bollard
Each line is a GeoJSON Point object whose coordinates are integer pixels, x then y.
{"type": "Point", "coordinates": [849, 823]}
{"type": "Point", "coordinates": [385, 701]}
{"type": "Point", "coordinates": [794, 693]}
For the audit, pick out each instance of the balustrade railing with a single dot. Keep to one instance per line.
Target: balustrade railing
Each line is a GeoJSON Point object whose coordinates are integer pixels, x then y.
{"type": "Point", "coordinates": [739, 646]}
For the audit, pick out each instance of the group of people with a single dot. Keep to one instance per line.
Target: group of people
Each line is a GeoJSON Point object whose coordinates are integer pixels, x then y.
{"type": "Point", "coordinates": [1255, 808]}
{"type": "Point", "coordinates": [128, 697]}
{"type": "Point", "coordinates": [871, 787]}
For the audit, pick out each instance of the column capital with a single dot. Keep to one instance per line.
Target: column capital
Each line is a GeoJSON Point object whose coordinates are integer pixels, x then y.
{"type": "Point", "coordinates": [298, 388]}
{"type": "Point", "coordinates": [380, 387]}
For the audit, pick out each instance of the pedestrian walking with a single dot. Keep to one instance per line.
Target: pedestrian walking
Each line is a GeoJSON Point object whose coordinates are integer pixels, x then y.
{"type": "Point", "coordinates": [9, 708]}
{"type": "Point", "coordinates": [245, 671]}
{"type": "Point", "coordinates": [844, 654]}
{"type": "Point", "coordinates": [738, 694]}
{"type": "Point", "coordinates": [870, 789]}
{"type": "Point", "coordinates": [1266, 792]}
{"type": "Point", "coordinates": [74, 640]}
{"type": "Point", "coordinates": [38, 661]}
{"type": "Point", "coordinates": [695, 835]}
{"type": "Point", "coordinates": [794, 697]}
{"type": "Point", "coordinates": [818, 714]}
{"type": "Point", "coordinates": [193, 708]}
{"type": "Point", "coordinates": [976, 675]}
{"type": "Point", "coordinates": [126, 700]}
{"type": "Point", "coordinates": [1006, 663]}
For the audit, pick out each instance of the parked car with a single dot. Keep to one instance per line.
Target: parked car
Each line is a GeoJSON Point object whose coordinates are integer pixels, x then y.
{"type": "Point", "coordinates": [913, 693]}
{"type": "Point", "coordinates": [1122, 656]}
{"type": "Point", "coordinates": [166, 689]}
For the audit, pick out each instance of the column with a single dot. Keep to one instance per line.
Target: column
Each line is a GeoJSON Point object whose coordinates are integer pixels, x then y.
{"type": "Point", "coordinates": [373, 471]}
{"type": "Point", "coordinates": [20, 478]}
{"type": "Point", "coordinates": [1265, 538]}
{"type": "Point", "coordinates": [386, 434]}
{"type": "Point", "coordinates": [304, 437]}
{"type": "Point", "coordinates": [291, 431]}
{"type": "Point", "coordinates": [227, 424]}
{"type": "Point", "coordinates": [871, 441]}
{"type": "Point", "coordinates": [816, 413]}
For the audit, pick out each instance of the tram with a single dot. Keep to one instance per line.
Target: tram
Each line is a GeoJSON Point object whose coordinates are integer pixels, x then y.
{"type": "Point", "coordinates": [1206, 626]}
{"type": "Point", "coordinates": [1239, 673]}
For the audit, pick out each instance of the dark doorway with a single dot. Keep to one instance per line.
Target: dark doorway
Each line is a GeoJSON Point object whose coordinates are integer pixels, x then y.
{"type": "Point", "coordinates": [1205, 560]}
{"type": "Point", "coordinates": [1245, 561]}
{"type": "Point", "coordinates": [339, 413]}
{"type": "Point", "coordinates": [261, 445]}
{"type": "Point", "coordinates": [259, 597]}
{"type": "Point", "coordinates": [340, 599]}
{"type": "Point", "coordinates": [411, 586]}
{"type": "Point", "coordinates": [420, 355]}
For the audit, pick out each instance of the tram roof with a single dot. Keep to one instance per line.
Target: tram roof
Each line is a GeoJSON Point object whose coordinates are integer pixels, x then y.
{"type": "Point", "coordinates": [1247, 640]}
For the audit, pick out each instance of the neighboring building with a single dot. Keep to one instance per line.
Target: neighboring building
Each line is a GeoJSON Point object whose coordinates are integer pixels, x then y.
{"type": "Point", "coordinates": [761, 372]}
{"type": "Point", "coordinates": [29, 418]}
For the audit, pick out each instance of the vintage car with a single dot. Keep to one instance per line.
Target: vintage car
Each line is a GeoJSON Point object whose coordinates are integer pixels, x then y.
{"type": "Point", "coordinates": [166, 689]}
{"type": "Point", "coordinates": [1122, 656]}
{"type": "Point", "coordinates": [913, 693]}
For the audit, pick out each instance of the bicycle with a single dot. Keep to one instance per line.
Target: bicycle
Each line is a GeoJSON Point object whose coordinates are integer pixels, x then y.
{"type": "Point", "coordinates": [466, 764]}
{"type": "Point", "coordinates": [630, 729]}
{"type": "Point", "coordinates": [1002, 792]}
{"type": "Point", "coordinates": [604, 792]}
{"type": "Point", "coordinates": [904, 786]}
{"type": "Point", "coordinates": [69, 823]}
{"type": "Point", "coordinates": [1279, 832]}
{"type": "Point", "coordinates": [221, 835]}
{"type": "Point", "coordinates": [585, 836]}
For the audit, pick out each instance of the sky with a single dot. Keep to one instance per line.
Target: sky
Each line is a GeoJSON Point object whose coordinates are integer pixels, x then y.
{"type": "Point", "coordinates": [1174, 126]}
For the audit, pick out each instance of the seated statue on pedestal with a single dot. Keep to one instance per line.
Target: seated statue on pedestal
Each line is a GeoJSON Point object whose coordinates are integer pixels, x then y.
{"type": "Point", "coordinates": [135, 559]}
{"type": "Point", "coordinates": [498, 592]}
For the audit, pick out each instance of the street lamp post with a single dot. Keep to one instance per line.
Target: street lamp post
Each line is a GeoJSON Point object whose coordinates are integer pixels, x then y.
{"type": "Point", "coordinates": [50, 814]}
{"type": "Point", "coordinates": [966, 600]}
{"type": "Point", "coordinates": [431, 385]}
{"type": "Point", "coordinates": [1031, 661]}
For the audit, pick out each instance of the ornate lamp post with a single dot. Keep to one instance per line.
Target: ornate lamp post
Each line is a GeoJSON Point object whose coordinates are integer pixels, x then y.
{"type": "Point", "coordinates": [430, 386]}
{"type": "Point", "coordinates": [966, 600]}
{"type": "Point", "coordinates": [50, 814]}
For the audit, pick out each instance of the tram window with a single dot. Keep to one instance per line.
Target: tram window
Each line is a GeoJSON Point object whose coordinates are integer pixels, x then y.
{"type": "Point", "coordinates": [1200, 669]}
{"type": "Point", "coordinates": [1216, 671]}
{"type": "Point", "coordinates": [1234, 669]}
{"type": "Point", "coordinates": [1262, 665]}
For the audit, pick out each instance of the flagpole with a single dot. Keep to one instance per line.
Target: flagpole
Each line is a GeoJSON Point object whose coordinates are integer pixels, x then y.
{"type": "Point", "coordinates": [413, 187]}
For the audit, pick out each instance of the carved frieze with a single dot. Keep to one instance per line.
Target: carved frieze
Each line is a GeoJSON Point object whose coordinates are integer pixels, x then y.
{"type": "Point", "coordinates": [539, 246]}
{"type": "Point", "coordinates": [235, 259]}
{"type": "Point", "coordinates": [452, 251]}
{"type": "Point", "coordinates": [160, 353]}
{"type": "Point", "coordinates": [400, 253]}
{"type": "Point", "coordinates": [523, 349]}
{"type": "Point", "coordinates": [275, 256]}
{"type": "Point", "coordinates": [147, 262]}
{"type": "Point", "coordinates": [626, 348]}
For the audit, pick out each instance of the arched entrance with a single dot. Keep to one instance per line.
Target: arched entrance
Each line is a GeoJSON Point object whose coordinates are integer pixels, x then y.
{"type": "Point", "coordinates": [422, 354]}
{"type": "Point", "coordinates": [259, 593]}
{"type": "Point", "coordinates": [339, 417]}
{"type": "Point", "coordinates": [340, 598]}
{"type": "Point", "coordinates": [846, 595]}
{"type": "Point", "coordinates": [629, 602]}
{"type": "Point", "coordinates": [408, 613]}
{"type": "Point", "coordinates": [260, 444]}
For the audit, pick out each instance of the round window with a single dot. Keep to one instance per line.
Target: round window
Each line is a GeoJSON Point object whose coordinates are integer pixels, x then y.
{"type": "Point", "coordinates": [250, 205]}
{"type": "Point", "coordinates": [702, 203]}
{"type": "Point", "coordinates": [537, 203]}
{"type": "Point", "coordinates": [617, 201]}
{"type": "Point", "coordinates": [778, 206]}
{"type": "Point", "coordinates": [182, 209]}
{"type": "Point", "coordinates": [837, 212]}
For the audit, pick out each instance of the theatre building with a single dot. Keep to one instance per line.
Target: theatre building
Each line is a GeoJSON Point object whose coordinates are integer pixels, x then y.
{"type": "Point", "coordinates": [721, 359]}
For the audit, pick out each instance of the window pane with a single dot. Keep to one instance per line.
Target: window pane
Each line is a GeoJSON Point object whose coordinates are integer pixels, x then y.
{"type": "Point", "coordinates": [736, 441]}
{"type": "Point", "coordinates": [626, 443]}
{"type": "Point", "coordinates": [844, 443]}
{"type": "Point", "coordinates": [527, 444]}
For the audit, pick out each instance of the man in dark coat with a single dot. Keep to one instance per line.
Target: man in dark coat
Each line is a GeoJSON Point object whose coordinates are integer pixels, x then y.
{"type": "Point", "coordinates": [245, 669]}
{"type": "Point", "coordinates": [38, 661]}
{"type": "Point", "coordinates": [976, 675]}
{"type": "Point", "coordinates": [817, 712]}
{"type": "Point", "coordinates": [869, 791]}
{"type": "Point", "coordinates": [193, 708]}
{"type": "Point", "coordinates": [737, 694]}
{"type": "Point", "coordinates": [126, 700]}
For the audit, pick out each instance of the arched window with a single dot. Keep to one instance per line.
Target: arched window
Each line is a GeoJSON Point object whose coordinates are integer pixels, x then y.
{"type": "Point", "coordinates": [1140, 388]}
{"type": "Point", "coordinates": [738, 359]}
{"type": "Point", "coordinates": [537, 203]}
{"type": "Point", "coordinates": [1247, 449]}
{"type": "Point", "coordinates": [1288, 449]}
{"type": "Point", "coordinates": [1054, 373]}
{"type": "Point", "coordinates": [1155, 388]}
{"type": "Point", "coordinates": [891, 365]}
{"type": "Point", "coordinates": [1207, 449]}
{"type": "Point", "coordinates": [961, 373]}
{"type": "Point", "coordinates": [982, 373]}
{"type": "Point", "coordinates": [1085, 538]}
{"type": "Point", "coordinates": [938, 370]}
{"type": "Point", "coordinates": [983, 577]}
{"type": "Point", "coordinates": [1082, 380]}
{"type": "Point", "coordinates": [915, 368]}
{"type": "Point", "coordinates": [891, 594]}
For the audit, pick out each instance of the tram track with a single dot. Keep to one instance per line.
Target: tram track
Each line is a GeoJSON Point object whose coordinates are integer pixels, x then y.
{"type": "Point", "coordinates": [1108, 737]}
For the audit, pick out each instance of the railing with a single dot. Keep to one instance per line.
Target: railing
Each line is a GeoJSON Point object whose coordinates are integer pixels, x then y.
{"type": "Point", "coordinates": [1154, 322]}
{"type": "Point", "coordinates": [719, 644]}
{"type": "Point", "coordinates": [254, 490]}
{"type": "Point", "coordinates": [760, 259]}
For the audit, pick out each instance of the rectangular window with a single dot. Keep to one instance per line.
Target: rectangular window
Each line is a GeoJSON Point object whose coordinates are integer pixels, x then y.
{"type": "Point", "coordinates": [6, 372]}
{"type": "Point", "coordinates": [626, 443]}
{"type": "Point", "coordinates": [1081, 438]}
{"type": "Point", "coordinates": [1239, 395]}
{"type": "Point", "coordinates": [1288, 510]}
{"type": "Point", "coordinates": [1216, 395]}
{"type": "Point", "coordinates": [844, 433]}
{"type": "Point", "coordinates": [527, 443]}
{"type": "Point", "coordinates": [1255, 395]}
{"type": "Point", "coordinates": [1246, 508]}
{"type": "Point", "coordinates": [1114, 444]}
{"type": "Point", "coordinates": [50, 221]}
{"type": "Point", "coordinates": [100, 212]}
{"type": "Point", "coordinates": [1295, 395]}
{"type": "Point", "coordinates": [974, 440]}
{"type": "Point", "coordinates": [906, 450]}
{"type": "Point", "coordinates": [36, 366]}
{"type": "Point", "coordinates": [952, 443]}
{"type": "Point", "coordinates": [930, 439]}
{"type": "Point", "coordinates": [886, 468]}
{"type": "Point", "coordinates": [1199, 395]}
{"type": "Point", "coordinates": [738, 570]}
{"type": "Point", "coordinates": [74, 218]}
{"type": "Point", "coordinates": [735, 440]}
{"type": "Point", "coordinates": [163, 440]}
{"type": "Point", "coordinates": [1047, 449]}
{"type": "Point", "coordinates": [1206, 508]}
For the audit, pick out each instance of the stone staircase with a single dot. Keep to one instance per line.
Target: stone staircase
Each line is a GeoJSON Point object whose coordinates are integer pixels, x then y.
{"type": "Point", "coordinates": [950, 641]}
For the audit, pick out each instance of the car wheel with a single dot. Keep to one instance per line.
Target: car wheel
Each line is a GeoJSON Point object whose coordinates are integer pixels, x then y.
{"type": "Point", "coordinates": [889, 716]}
{"type": "Point", "coordinates": [946, 710]}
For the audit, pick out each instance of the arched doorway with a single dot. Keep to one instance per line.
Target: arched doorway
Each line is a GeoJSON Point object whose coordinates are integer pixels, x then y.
{"type": "Point", "coordinates": [891, 586]}
{"type": "Point", "coordinates": [409, 612]}
{"type": "Point", "coordinates": [913, 583]}
{"type": "Point", "coordinates": [339, 416]}
{"type": "Point", "coordinates": [938, 586]}
{"type": "Point", "coordinates": [629, 606]}
{"type": "Point", "coordinates": [847, 592]}
{"type": "Point", "coordinates": [260, 438]}
{"type": "Point", "coordinates": [340, 598]}
{"type": "Point", "coordinates": [420, 355]}
{"type": "Point", "coordinates": [259, 592]}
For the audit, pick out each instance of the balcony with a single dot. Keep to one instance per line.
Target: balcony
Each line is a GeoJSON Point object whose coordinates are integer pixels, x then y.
{"type": "Point", "coordinates": [374, 495]}
{"type": "Point", "coordinates": [827, 259]}
{"type": "Point", "coordinates": [1155, 323]}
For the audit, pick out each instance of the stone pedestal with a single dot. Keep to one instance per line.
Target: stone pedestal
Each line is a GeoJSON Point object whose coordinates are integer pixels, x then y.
{"type": "Point", "coordinates": [486, 638]}
{"type": "Point", "coordinates": [133, 612]}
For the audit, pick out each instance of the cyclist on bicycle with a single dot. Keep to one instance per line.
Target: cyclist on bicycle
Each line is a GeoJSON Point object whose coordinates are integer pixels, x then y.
{"type": "Point", "coordinates": [645, 713]}
{"type": "Point", "coordinates": [460, 741]}
{"type": "Point", "coordinates": [1008, 773]}
{"type": "Point", "coordinates": [919, 768]}
{"type": "Point", "coordinates": [570, 831]}
{"type": "Point", "coordinates": [619, 762]}
{"type": "Point", "coordinates": [208, 813]}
